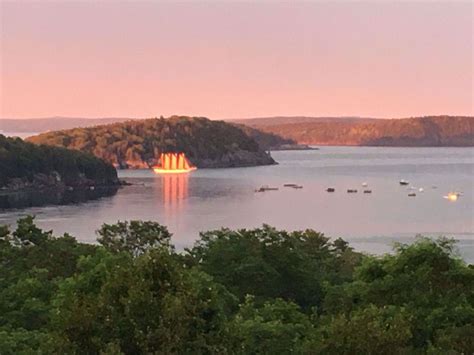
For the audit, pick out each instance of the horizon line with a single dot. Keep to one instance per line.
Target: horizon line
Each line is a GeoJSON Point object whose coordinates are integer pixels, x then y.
{"type": "Point", "coordinates": [232, 118]}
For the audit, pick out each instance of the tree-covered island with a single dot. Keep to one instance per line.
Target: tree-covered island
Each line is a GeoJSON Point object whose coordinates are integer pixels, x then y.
{"type": "Point", "coordinates": [137, 144]}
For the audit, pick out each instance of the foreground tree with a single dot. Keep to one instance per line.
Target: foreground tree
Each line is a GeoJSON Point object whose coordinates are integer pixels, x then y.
{"type": "Point", "coordinates": [269, 263]}
{"type": "Point", "coordinates": [368, 330]}
{"type": "Point", "coordinates": [141, 305]}
{"type": "Point", "coordinates": [134, 237]}
{"type": "Point", "coordinates": [276, 327]}
{"type": "Point", "coordinates": [259, 291]}
{"type": "Point", "coordinates": [428, 280]}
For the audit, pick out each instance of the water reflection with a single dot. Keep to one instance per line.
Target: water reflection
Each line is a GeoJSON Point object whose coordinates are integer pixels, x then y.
{"type": "Point", "coordinates": [212, 198]}
{"type": "Point", "coordinates": [174, 190]}
{"type": "Point", "coordinates": [53, 196]}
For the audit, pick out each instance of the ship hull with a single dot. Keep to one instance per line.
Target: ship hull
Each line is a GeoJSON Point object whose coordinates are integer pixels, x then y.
{"type": "Point", "coordinates": [173, 171]}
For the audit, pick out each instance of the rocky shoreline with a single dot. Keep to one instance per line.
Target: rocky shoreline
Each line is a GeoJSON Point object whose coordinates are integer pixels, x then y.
{"type": "Point", "coordinates": [293, 147]}
{"type": "Point", "coordinates": [50, 189]}
{"type": "Point", "coordinates": [237, 159]}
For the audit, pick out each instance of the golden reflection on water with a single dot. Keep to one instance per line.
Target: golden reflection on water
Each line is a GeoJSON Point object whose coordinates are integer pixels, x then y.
{"type": "Point", "coordinates": [174, 190]}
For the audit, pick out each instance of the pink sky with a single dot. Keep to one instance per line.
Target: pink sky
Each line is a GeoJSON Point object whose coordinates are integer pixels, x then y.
{"type": "Point", "coordinates": [243, 59]}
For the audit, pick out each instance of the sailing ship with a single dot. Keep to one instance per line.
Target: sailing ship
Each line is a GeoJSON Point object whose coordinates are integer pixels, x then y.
{"type": "Point", "coordinates": [173, 163]}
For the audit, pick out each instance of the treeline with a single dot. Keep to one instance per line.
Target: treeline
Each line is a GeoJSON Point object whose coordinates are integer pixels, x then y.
{"type": "Point", "coordinates": [23, 163]}
{"type": "Point", "coordinates": [138, 143]}
{"type": "Point", "coordinates": [420, 131]}
{"type": "Point", "coordinates": [261, 291]}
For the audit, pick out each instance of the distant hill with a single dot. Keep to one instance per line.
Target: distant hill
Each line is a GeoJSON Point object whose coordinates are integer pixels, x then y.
{"type": "Point", "coordinates": [46, 124]}
{"type": "Point", "coordinates": [418, 131]}
{"type": "Point", "coordinates": [138, 143]}
{"type": "Point", "coordinates": [278, 120]}
{"type": "Point", "coordinates": [27, 127]}
{"type": "Point", "coordinates": [53, 123]}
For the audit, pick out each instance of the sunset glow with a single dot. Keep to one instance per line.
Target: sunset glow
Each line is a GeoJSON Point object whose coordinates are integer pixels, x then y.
{"type": "Point", "coordinates": [235, 59]}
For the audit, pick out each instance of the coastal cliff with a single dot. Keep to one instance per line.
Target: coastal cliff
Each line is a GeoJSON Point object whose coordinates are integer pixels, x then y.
{"type": "Point", "coordinates": [138, 144]}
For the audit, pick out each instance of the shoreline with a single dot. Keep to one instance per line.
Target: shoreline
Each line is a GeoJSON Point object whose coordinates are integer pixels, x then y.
{"type": "Point", "coordinates": [14, 199]}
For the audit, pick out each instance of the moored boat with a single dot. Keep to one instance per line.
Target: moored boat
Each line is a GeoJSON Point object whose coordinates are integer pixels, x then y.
{"type": "Point", "coordinates": [266, 188]}
{"type": "Point", "coordinates": [452, 196]}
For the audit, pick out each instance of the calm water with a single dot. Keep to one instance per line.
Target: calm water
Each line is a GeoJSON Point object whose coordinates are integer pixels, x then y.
{"type": "Point", "coordinates": [209, 199]}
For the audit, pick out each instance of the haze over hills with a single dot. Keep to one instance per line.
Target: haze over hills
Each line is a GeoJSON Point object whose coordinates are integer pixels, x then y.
{"type": "Point", "coordinates": [45, 124]}
{"type": "Point", "coordinates": [357, 131]}
{"type": "Point", "coordinates": [277, 120]}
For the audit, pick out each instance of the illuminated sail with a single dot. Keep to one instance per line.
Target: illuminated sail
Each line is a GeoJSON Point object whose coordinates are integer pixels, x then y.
{"type": "Point", "coordinates": [173, 163]}
{"type": "Point", "coordinates": [181, 164]}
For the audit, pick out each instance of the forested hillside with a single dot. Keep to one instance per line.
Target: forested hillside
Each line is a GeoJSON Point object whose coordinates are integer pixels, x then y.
{"type": "Point", "coordinates": [24, 164]}
{"type": "Point", "coordinates": [260, 291]}
{"type": "Point", "coordinates": [420, 131]}
{"type": "Point", "coordinates": [138, 143]}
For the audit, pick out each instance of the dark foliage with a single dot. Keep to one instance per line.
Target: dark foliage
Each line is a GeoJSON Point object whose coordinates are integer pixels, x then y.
{"type": "Point", "coordinates": [261, 291]}
{"type": "Point", "coordinates": [26, 161]}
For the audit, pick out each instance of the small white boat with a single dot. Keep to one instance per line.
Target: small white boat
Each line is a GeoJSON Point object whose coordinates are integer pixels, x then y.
{"type": "Point", "coordinates": [364, 184]}
{"type": "Point", "coordinates": [421, 189]}
{"type": "Point", "coordinates": [452, 196]}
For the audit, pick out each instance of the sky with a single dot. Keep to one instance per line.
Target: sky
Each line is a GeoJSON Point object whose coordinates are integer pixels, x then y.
{"type": "Point", "coordinates": [236, 59]}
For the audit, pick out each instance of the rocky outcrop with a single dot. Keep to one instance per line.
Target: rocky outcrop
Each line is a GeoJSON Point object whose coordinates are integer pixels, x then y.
{"type": "Point", "coordinates": [42, 181]}
{"type": "Point", "coordinates": [51, 189]}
